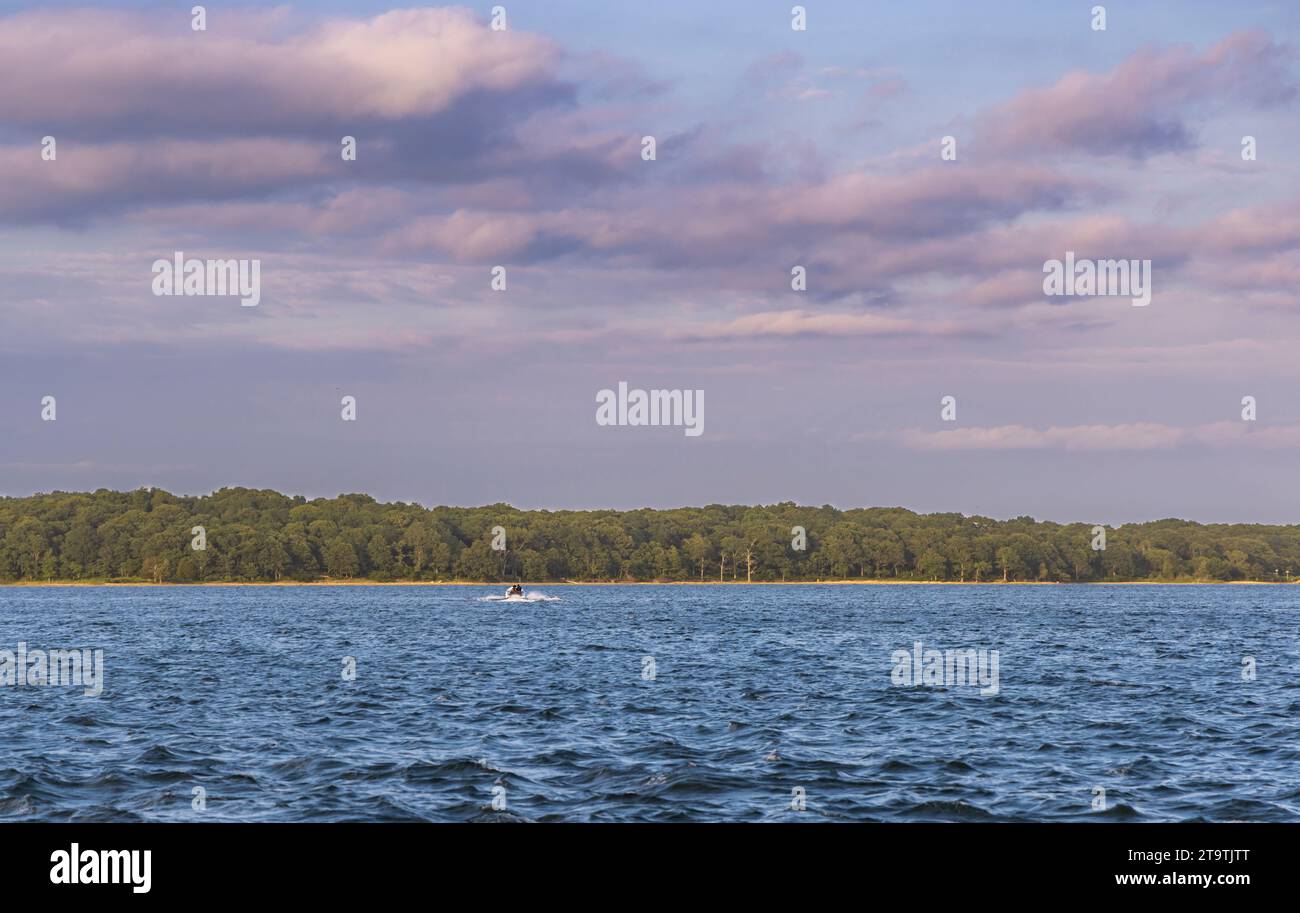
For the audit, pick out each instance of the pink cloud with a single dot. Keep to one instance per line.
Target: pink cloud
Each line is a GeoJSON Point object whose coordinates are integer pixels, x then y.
{"type": "Point", "coordinates": [1131, 436]}
{"type": "Point", "coordinates": [115, 67]}
{"type": "Point", "coordinates": [803, 323]}
{"type": "Point", "coordinates": [1137, 108]}
{"type": "Point", "coordinates": [84, 177]}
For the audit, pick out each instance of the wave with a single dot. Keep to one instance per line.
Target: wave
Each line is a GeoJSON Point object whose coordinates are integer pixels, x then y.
{"type": "Point", "coordinates": [530, 596]}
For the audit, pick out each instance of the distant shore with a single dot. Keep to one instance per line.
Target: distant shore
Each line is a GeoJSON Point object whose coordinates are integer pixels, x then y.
{"type": "Point", "coordinates": [418, 583]}
{"type": "Point", "coordinates": [257, 535]}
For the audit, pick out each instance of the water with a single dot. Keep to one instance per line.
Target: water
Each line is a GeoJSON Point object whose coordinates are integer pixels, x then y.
{"type": "Point", "coordinates": [757, 692]}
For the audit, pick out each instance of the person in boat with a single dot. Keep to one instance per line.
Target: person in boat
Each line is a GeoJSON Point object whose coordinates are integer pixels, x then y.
{"type": "Point", "coordinates": [515, 590]}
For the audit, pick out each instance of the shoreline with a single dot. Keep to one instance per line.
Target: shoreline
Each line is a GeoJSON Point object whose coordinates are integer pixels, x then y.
{"type": "Point", "coordinates": [435, 583]}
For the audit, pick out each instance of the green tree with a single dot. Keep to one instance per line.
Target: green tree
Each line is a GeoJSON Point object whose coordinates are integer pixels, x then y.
{"type": "Point", "coordinates": [341, 559]}
{"type": "Point", "coordinates": [699, 551]}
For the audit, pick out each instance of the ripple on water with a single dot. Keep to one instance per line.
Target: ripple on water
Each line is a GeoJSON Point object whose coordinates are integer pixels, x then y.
{"type": "Point", "coordinates": [757, 691]}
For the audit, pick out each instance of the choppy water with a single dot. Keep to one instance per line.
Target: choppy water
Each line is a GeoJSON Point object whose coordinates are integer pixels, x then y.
{"type": "Point", "coordinates": [757, 692]}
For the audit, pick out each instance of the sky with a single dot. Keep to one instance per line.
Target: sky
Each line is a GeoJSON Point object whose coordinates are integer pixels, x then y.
{"type": "Point", "coordinates": [775, 148]}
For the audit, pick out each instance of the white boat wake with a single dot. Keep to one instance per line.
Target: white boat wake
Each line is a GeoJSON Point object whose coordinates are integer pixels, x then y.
{"type": "Point", "coordinates": [531, 596]}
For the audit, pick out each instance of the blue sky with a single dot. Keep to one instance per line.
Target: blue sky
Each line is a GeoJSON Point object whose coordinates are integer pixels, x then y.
{"type": "Point", "coordinates": [775, 148]}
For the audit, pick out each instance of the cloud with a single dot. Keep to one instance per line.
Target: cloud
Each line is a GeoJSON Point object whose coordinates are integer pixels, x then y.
{"type": "Point", "coordinates": [146, 112]}
{"type": "Point", "coordinates": [742, 224]}
{"type": "Point", "coordinates": [796, 323]}
{"type": "Point", "coordinates": [104, 72]}
{"type": "Point", "coordinates": [115, 176]}
{"type": "Point", "coordinates": [478, 148]}
{"type": "Point", "coordinates": [1131, 436]}
{"type": "Point", "coordinates": [1139, 108]}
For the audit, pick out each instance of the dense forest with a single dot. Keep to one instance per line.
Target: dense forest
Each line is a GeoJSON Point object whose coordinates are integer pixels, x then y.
{"type": "Point", "coordinates": [239, 534]}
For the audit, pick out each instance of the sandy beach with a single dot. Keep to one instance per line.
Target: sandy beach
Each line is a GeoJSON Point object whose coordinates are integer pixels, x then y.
{"type": "Point", "coordinates": [436, 583]}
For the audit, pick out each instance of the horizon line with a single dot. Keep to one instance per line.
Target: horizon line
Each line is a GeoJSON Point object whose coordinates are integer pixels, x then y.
{"type": "Point", "coordinates": [622, 510]}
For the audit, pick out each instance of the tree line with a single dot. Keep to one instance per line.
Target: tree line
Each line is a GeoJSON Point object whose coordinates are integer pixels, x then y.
{"type": "Point", "coordinates": [261, 535]}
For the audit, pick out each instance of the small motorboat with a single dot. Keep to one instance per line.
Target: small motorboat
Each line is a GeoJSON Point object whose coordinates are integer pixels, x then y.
{"type": "Point", "coordinates": [516, 594]}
